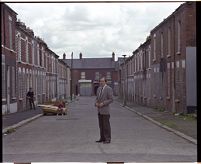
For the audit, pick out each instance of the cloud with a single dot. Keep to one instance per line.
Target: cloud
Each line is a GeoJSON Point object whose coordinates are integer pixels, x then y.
{"type": "Point", "coordinates": [95, 29]}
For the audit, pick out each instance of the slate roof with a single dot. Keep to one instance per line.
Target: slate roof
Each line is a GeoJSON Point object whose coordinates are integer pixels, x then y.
{"type": "Point", "coordinates": [91, 63]}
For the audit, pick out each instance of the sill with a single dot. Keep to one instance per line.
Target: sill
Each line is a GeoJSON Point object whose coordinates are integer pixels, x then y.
{"type": "Point", "coordinates": [20, 99]}
{"type": "Point", "coordinates": [154, 60]}
{"type": "Point", "coordinates": [154, 96]}
{"type": "Point", "coordinates": [168, 56]}
{"type": "Point", "coordinates": [168, 98]}
{"type": "Point", "coordinates": [148, 68]}
{"type": "Point", "coordinates": [178, 53]}
{"type": "Point", "coordinates": [177, 101]}
{"type": "Point", "coordinates": [14, 98]}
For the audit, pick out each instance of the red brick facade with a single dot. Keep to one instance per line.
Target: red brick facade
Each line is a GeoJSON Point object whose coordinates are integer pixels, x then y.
{"type": "Point", "coordinates": [8, 54]}
{"type": "Point", "coordinates": [163, 84]}
{"type": "Point", "coordinates": [28, 62]}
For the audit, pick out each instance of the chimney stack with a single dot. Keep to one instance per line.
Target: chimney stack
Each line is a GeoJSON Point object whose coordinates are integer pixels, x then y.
{"type": "Point", "coordinates": [64, 56]}
{"type": "Point", "coordinates": [80, 55]}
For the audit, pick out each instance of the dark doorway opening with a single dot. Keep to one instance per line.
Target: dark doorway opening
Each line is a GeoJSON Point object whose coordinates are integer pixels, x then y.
{"type": "Point", "coordinates": [95, 89]}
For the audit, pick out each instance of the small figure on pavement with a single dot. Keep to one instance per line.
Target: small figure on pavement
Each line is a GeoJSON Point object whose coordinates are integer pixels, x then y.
{"type": "Point", "coordinates": [103, 100]}
{"type": "Point", "coordinates": [60, 110]}
{"type": "Point", "coordinates": [30, 97]}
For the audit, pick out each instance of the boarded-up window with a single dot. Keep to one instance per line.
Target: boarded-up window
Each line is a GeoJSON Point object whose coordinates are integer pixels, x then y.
{"type": "Point", "coordinates": [3, 82]}
{"type": "Point", "coordinates": [13, 82]}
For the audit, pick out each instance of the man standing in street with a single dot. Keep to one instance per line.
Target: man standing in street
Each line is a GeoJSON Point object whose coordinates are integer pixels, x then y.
{"type": "Point", "coordinates": [30, 97]}
{"type": "Point", "coordinates": [103, 100]}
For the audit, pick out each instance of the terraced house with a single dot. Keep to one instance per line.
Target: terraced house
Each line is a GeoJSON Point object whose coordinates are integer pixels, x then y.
{"type": "Point", "coordinates": [8, 57]}
{"type": "Point", "coordinates": [27, 61]}
{"type": "Point", "coordinates": [162, 71]}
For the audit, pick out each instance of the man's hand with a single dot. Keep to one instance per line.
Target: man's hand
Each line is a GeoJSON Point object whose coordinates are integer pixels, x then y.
{"type": "Point", "coordinates": [101, 105]}
{"type": "Point", "coordinates": [97, 104]}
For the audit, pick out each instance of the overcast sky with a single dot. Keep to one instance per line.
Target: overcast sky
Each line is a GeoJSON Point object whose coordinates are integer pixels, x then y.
{"type": "Point", "coordinates": [95, 29]}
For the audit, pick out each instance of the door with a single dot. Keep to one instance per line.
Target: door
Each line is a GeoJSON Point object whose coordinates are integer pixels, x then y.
{"type": "Point", "coordinates": [85, 89]}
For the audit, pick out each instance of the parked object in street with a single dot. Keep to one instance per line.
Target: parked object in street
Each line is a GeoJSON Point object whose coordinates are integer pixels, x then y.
{"type": "Point", "coordinates": [58, 108]}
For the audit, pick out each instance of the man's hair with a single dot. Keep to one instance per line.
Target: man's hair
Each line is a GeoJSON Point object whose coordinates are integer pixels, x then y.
{"type": "Point", "coordinates": [103, 77]}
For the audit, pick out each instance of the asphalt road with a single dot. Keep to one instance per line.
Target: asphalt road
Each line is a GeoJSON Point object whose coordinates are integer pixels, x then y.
{"type": "Point", "coordinates": [72, 138]}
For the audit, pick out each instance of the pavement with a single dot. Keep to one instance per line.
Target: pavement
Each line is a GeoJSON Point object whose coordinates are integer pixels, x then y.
{"type": "Point", "coordinates": [184, 126]}
{"type": "Point", "coordinates": [71, 138]}
{"type": "Point", "coordinates": [15, 120]}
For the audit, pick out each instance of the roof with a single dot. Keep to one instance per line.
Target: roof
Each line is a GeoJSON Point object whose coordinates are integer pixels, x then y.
{"type": "Point", "coordinates": [171, 15]}
{"type": "Point", "coordinates": [91, 63]}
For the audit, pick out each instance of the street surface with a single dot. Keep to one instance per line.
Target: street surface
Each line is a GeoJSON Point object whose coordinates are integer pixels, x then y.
{"type": "Point", "coordinates": [72, 138]}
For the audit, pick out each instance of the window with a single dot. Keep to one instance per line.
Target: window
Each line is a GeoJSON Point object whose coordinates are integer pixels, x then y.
{"type": "Point", "coordinates": [108, 76]}
{"type": "Point", "coordinates": [37, 54]}
{"type": "Point", "coordinates": [161, 45]}
{"type": "Point", "coordinates": [82, 75]}
{"type": "Point", "coordinates": [141, 55]}
{"type": "Point", "coordinates": [19, 55]}
{"type": "Point", "coordinates": [33, 51]}
{"type": "Point", "coordinates": [168, 79]}
{"type": "Point", "coordinates": [149, 53]}
{"type": "Point", "coordinates": [169, 42]}
{"type": "Point", "coordinates": [13, 83]}
{"type": "Point", "coordinates": [97, 76]}
{"type": "Point", "coordinates": [10, 32]}
{"type": "Point", "coordinates": [179, 37]}
{"type": "Point", "coordinates": [19, 82]}
{"type": "Point", "coordinates": [136, 63]}
{"type": "Point", "coordinates": [3, 77]}
{"type": "Point", "coordinates": [154, 47]}
{"type": "Point", "coordinates": [42, 57]}
{"type": "Point", "coordinates": [27, 54]}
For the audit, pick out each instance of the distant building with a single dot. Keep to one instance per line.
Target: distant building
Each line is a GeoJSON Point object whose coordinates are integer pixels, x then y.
{"type": "Point", "coordinates": [86, 73]}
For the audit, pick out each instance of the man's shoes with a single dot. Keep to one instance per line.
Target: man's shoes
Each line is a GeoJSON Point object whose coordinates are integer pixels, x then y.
{"type": "Point", "coordinates": [100, 141]}
{"type": "Point", "coordinates": [106, 142]}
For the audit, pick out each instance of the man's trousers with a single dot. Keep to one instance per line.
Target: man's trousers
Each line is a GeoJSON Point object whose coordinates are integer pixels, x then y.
{"type": "Point", "coordinates": [104, 125]}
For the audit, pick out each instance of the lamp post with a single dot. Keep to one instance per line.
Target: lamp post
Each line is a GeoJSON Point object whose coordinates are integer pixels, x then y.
{"type": "Point", "coordinates": [124, 93]}
{"type": "Point", "coordinates": [71, 82]}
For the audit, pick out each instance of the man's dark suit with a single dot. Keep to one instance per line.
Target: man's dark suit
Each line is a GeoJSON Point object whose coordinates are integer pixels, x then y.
{"type": "Point", "coordinates": [106, 97]}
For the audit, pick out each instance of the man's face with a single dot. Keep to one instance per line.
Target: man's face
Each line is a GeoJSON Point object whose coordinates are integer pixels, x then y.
{"type": "Point", "coordinates": [102, 82]}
